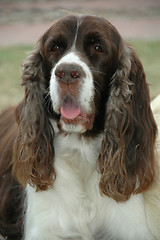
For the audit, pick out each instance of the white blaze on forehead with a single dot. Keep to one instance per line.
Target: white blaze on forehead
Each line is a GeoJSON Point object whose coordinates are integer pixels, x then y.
{"type": "Point", "coordinates": [86, 84]}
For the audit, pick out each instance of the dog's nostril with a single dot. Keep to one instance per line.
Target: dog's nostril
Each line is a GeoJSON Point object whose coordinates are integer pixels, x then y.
{"type": "Point", "coordinates": [75, 74]}
{"type": "Point", "coordinates": [59, 74]}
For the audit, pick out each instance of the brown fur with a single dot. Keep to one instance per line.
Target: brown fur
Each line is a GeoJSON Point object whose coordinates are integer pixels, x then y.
{"type": "Point", "coordinates": [127, 161]}
{"type": "Point", "coordinates": [11, 193]}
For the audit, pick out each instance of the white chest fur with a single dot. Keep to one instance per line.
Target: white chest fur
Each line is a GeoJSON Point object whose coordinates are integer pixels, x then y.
{"type": "Point", "coordinates": [74, 207]}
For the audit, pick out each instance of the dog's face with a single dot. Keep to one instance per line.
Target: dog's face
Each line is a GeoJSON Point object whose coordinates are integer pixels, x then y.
{"type": "Point", "coordinates": [82, 54]}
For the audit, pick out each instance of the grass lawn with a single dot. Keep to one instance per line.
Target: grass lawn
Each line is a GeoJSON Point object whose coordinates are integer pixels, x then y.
{"type": "Point", "coordinates": [149, 53]}
{"type": "Point", "coordinates": [11, 59]}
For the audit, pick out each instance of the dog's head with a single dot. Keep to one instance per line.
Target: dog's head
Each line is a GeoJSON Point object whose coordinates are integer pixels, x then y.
{"type": "Point", "coordinates": [85, 77]}
{"type": "Point", "coordinates": [82, 53]}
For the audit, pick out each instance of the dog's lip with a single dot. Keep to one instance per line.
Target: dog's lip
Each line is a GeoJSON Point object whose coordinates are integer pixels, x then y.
{"type": "Point", "coordinates": [84, 119]}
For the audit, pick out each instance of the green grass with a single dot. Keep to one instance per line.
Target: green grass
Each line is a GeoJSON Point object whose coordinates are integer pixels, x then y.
{"type": "Point", "coordinates": [149, 54]}
{"type": "Point", "coordinates": [11, 59]}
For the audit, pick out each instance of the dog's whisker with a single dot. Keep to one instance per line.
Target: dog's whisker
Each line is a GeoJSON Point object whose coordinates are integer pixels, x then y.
{"type": "Point", "coordinates": [98, 84]}
{"type": "Point", "coordinates": [97, 71]}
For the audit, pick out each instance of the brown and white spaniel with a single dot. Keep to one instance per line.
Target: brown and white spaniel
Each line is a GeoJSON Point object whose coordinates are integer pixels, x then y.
{"type": "Point", "coordinates": [79, 154]}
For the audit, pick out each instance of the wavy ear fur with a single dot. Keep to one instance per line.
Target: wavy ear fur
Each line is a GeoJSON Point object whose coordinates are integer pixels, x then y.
{"type": "Point", "coordinates": [33, 149]}
{"type": "Point", "coordinates": [127, 161]}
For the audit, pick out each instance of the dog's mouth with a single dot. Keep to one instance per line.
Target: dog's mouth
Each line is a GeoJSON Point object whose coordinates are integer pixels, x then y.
{"type": "Point", "coordinates": [71, 113]}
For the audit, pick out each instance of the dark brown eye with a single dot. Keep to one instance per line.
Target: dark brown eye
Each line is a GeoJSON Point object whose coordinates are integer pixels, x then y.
{"type": "Point", "coordinates": [98, 48]}
{"type": "Point", "coordinates": [54, 48]}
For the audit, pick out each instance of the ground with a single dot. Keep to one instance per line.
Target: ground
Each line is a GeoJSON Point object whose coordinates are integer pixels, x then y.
{"type": "Point", "coordinates": [24, 22]}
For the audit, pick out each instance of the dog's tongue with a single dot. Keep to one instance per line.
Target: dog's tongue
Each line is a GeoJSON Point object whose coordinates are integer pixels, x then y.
{"type": "Point", "coordinates": [69, 109]}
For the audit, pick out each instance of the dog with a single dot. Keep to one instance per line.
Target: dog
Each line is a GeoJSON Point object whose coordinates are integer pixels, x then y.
{"type": "Point", "coordinates": [79, 156]}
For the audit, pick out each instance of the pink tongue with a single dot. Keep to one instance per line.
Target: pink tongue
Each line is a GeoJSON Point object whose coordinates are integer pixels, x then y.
{"type": "Point", "coordinates": [69, 109]}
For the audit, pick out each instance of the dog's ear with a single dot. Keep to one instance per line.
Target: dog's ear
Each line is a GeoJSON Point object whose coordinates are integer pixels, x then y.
{"type": "Point", "coordinates": [33, 149]}
{"type": "Point", "coordinates": [127, 161]}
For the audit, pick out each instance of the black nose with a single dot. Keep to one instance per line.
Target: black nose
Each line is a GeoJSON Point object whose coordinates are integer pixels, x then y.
{"type": "Point", "coordinates": [69, 73]}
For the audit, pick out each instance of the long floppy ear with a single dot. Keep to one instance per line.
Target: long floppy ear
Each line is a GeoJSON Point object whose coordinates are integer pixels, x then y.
{"type": "Point", "coordinates": [34, 150]}
{"type": "Point", "coordinates": [127, 161]}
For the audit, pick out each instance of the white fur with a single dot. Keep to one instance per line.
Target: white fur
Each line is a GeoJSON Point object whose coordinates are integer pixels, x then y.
{"type": "Point", "coordinates": [74, 207]}
{"type": "Point", "coordinates": [86, 86]}
{"type": "Point", "coordinates": [86, 91]}
{"type": "Point", "coordinates": [155, 105]}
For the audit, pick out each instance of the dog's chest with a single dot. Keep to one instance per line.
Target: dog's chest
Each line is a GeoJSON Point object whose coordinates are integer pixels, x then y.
{"type": "Point", "coordinates": [74, 207]}
{"type": "Point", "coordinates": [79, 193]}
{"type": "Point", "coordinates": [77, 182]}
{"type": "Point", "coordinates": [86, 212]}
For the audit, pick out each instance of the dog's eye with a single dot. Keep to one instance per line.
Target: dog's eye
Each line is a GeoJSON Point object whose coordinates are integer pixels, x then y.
{"type": "Point", "coordinates": [54, 48]}
{"type": "Point", "coordinates": [98, 48]}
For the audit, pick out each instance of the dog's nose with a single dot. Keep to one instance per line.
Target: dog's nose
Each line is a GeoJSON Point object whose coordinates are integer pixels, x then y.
{"type": "Point", "coordinates": [69, 73]}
